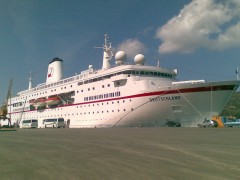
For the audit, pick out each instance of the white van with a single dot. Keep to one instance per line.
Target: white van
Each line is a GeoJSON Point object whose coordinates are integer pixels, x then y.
{"type": "Point", "coordinates": [54, 123]}
{"type": "Point", "coordinates": [32, 123]}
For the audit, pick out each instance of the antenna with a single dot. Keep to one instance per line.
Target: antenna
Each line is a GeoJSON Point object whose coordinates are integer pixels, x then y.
{"type": "Point", "coordinates": [30, 81]}
{"type": "Point", "coordinates": [158, 62]}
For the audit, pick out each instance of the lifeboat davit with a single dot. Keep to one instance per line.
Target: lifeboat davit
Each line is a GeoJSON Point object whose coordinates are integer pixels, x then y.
{"type": "Point", "coordinates": [40, 102]}
{"type": "Point", "coordinates": [53, 100]}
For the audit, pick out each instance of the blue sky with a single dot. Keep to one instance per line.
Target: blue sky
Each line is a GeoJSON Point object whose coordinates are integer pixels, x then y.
{"type": "Point", "coordinates": [201, 37]}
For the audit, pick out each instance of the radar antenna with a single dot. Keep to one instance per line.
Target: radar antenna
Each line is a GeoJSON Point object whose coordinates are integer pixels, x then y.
{"type": "Point", "coordinates": [107, 52]}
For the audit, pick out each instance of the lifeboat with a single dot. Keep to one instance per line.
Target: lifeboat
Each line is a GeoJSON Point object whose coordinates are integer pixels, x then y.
{"type": "Point", "coordinates": [31, 102]}
{"type": "Point", "coordinates": [40, 102]}
{"type": "Point", "coordinates": [53, 100]}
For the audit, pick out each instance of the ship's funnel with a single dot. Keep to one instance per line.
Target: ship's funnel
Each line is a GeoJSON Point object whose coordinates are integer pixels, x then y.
{"type": "Point", "coordinates": [55, 71]}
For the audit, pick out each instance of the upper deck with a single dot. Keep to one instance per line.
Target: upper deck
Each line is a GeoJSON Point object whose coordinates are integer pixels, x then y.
{"type": "Point", "coordinates": [90, 75]}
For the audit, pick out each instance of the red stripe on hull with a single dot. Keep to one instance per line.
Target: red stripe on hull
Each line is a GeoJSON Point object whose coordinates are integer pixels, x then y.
{"type": "Point", "coordinates": [157, 93]}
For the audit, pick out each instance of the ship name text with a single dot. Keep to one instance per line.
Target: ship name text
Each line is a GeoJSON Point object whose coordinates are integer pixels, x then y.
{"type": "Point", "coordinates": [164, 98]}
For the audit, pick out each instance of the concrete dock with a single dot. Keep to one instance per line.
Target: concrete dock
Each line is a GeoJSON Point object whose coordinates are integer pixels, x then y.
{"type": "Point", "coordinates": [120, 153]}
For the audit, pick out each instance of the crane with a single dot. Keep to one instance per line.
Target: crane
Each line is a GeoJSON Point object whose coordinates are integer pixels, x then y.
{"type": "Point", "coordinates": [3, 109]}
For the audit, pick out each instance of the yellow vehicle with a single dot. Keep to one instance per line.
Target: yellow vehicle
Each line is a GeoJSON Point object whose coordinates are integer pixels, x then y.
{"type": "Point", "coordinates": [220, 120]}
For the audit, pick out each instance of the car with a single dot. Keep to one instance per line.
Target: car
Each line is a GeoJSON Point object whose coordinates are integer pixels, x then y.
{"type": "Point", "coordinates": [208, 123]}
{"type": "Point", "coordinates": [233, 123]}
{"type": "Point", "coordinates": [173, 124]}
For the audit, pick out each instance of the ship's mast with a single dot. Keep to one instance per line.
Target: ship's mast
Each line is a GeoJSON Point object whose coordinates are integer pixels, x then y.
{"type": "Point", "coordinates": [107, 53]}
{"type": "Point", "coordinates": [30, 82]}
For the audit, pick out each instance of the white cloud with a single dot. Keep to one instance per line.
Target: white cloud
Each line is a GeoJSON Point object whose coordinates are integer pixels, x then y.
{"type": "Point", "coordinates": [132, 47]}
{"type": "Point", "coordinates": [202, 24]}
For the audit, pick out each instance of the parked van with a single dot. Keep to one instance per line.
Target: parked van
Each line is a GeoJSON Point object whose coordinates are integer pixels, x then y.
{"type": "Point", "coordinates": [54, 123]}
{"type": "Point", "coordinates": [32, 123]}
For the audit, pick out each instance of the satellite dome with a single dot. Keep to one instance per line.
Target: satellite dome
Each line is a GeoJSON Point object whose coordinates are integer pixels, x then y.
{"type": "Point", "coordinates": [90, 66]}
{"type": "Point", "coordinates": [120, 56]}
{"type": "Point", "coordinates": [139, 59]}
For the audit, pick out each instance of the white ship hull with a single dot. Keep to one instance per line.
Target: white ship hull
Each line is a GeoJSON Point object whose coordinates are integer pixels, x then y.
{"type": "Point", "coordinates": [126, 95]}
{"type": "Point", "coordinates": [188, 105]}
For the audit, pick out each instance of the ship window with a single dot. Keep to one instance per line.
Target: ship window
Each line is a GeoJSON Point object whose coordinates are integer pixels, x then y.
{"type": "Point", "coordinates": [102, 86]}
{"type": "Point", "coordinates": [127, 72]}
{"type": "Point", "coordinates": [146, 73]}
{"type": "Point", "coordinates": [151, 73]}
{"type": "Point", "coordinates": [93, 88]}
{"type": "Point", "coordinates": [108, 85]}
{"type": "Point", "coordinates": [80, 83]}
{"type": "Point", "coordinates": [155, 73]}
{"type": "Point", "coordinates": [142, 72]}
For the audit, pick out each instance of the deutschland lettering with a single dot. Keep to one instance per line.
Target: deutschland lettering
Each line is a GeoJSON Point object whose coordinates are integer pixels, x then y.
{"type": "Point", "coordinates": [165, 98]}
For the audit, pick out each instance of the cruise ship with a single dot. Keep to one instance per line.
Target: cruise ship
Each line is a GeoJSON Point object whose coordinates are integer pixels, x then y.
{"type": "Point", "coordinates": [120, 95]}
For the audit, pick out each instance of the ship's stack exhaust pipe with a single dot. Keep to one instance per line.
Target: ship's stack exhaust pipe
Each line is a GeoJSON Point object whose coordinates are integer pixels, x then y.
{"type": "Point", "coordinates": [55, 71]}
